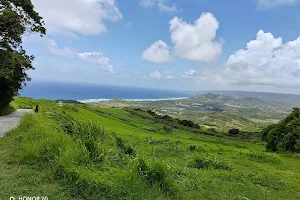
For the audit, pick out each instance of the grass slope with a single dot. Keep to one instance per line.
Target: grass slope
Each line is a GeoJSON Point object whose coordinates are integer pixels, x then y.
{"type": "Point", "coordinates": [82, 152]}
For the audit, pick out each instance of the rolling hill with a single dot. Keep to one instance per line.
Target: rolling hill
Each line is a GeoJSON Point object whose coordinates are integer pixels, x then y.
{"type": "Point", "coordinates": [79, 151]}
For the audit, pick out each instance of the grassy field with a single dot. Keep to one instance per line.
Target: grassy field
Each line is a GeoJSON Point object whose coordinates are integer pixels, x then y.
{"type": "Point", "coordinates": [83, 152]}
{"type": "Point", "coordinates": [215, 111]}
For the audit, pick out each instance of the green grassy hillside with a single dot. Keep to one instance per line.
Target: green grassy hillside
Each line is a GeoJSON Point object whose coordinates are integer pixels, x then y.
{"type": "Point", "coordinates": [83, 152]}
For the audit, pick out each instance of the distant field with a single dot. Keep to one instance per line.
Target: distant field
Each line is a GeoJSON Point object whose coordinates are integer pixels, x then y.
{"type": "Point", "coordinates": [84, 152]}
{"type": "Point", "coordinates": [218, 111]}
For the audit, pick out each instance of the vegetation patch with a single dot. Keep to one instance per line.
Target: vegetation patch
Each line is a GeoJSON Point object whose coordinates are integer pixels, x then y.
{"type": "Point", "coordinates": [155, 174]}
{"type": "Point", "coordinates": [284, 136]}
{"type": "Point", "coordinates": [150, 140]}
{"type": "Point", "coordinates": [262, 157]}
{"type": "Point", "coordinates": [87, 155]}
{"type": "Point", "coordinates": [210, 163]}
{"type": "Point", "coordinates": [126, 149]}
{"type": "Point", "coordinates": [7, 111]}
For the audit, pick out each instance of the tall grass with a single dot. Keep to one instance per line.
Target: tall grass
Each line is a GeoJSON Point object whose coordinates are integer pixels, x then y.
{"type": "Point", "coordinates": [121, 161]}
{"type": "Point", "coordinates": [82, 156]}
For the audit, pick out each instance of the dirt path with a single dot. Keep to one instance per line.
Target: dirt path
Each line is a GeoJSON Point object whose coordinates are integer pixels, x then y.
{"type": "Point", "coordinates": [9, 122]}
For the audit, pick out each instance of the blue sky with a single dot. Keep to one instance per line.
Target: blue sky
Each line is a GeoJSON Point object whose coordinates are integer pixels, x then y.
{"type": "Point", "coordinates": [172, 44]}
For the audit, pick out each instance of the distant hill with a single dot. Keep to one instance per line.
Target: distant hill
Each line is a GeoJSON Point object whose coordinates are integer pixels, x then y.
{"type": "Point", "coordinates": [287, 99]}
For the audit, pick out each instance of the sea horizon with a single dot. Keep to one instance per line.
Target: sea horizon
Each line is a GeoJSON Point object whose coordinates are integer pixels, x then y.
{"type": "Point", "coordinates": [84, 92]}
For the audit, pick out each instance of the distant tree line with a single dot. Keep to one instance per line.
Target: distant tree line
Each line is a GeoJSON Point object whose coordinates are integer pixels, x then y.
{"type": "Point", "coordinates": [187, 123]}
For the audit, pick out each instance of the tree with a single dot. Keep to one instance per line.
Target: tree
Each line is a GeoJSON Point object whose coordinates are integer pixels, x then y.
{"type": "Point", "coordinates": [17, 17]}
{"type": "Point", "coordinates": [284, 136]}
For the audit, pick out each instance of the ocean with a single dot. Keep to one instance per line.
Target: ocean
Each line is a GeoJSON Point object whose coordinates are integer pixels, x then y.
{"type": "Point", "coordinates": [81, 92]}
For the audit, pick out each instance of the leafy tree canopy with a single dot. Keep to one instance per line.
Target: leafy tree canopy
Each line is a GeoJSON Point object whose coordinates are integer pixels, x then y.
{"type": "Point", "coordinates": [17, 17]}
{"type": "Point", "coordinates": [284, 136]}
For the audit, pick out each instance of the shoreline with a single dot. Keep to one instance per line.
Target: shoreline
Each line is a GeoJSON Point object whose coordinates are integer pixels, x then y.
{"type": "Point", "coordinates": [132, 100]}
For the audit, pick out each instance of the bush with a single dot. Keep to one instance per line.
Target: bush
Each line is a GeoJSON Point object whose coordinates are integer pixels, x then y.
{"type": "Point", "coordinates": [265, 132]}
{"type": "Point", "coordinates": [189, 123]}
{"type": "Point", "coordinates": [167, 129]}
{"type": "Point", "coordinates": [284, 136]}
{"type": "Point", "coordinates": [7, 111]}
{"type": "Point", "coordinates": [192, 148]}
{"type": "Point", "coordinates": [233, 132]}
{"type": "Point", "coordinates": [213, 130]}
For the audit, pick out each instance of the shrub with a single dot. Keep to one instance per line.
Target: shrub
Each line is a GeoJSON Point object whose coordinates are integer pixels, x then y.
{"type": "Point", "coordinates": [233, 132]}
{"type": "Point", "coordinates": [265, 132]}
{"type": "Point", "coordinates": [213, 130]}
{"type": "Point", "coordinates": [189, 123]}
{"type": "Point", "coordinates": [7, 111]}
{"type": "Point", "coordinates": [192, 148]}
{"type": "Point", "coordinates": [284, 136]}
{"type": "Point", "coordinates": [167, 129]}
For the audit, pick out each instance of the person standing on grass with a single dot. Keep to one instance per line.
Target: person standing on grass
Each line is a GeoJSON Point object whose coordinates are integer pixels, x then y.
{"type": "Point", "coordinates": [36, 109]}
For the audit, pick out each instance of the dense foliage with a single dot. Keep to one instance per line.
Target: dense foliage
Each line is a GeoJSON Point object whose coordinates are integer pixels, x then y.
{"type": "Point", "coordinates": [284, 136]}
{"type": "Point", "coordinates": [16, 19]}
{"type": "Point", "coordinates": [187, 123]}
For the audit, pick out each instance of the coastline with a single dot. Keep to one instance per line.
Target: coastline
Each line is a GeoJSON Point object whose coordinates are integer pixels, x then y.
{"type": "Point", "coordinates": [133, 100]}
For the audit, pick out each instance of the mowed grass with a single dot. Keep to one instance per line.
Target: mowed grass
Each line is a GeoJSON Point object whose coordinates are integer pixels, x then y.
{"type": "Point", "coordinates": [82, 152]}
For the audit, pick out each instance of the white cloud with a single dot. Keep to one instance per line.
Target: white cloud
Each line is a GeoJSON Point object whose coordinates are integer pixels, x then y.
{"type": "Point", "coordinates": [273, 3]}
{"type": "Point", "coordinates": [156, 75]}
{"type": "Point", "coordinates": [170, 77]}
{"type": "Point", "coordinates": [161, 5]}
{"type": "Point", "coordinates": [72, 17]}
{"type": "Point", "coordinates": [189, 73]}
{"type": "Point", "coordinates": [158, 52]}
{"type": "Point", "coordinates": [147, 3]}
{"type": "Point", "coordinates": [54, 49]}
{"type": "Point", "coordinates": [164, 75]}
{"type": "Point", "coordinates": [265, 61]}
{"type": "Point", "coordinates": [97, 58]}
{"type": "Point", "coordinates": [196, 41]}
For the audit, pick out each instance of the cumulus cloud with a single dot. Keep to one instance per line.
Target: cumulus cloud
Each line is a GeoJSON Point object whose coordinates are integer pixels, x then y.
{"type": "Point", "coordinates": [97, 58]}
{"type": "Point", "coordinates": [158, 52]}
{"type": "Point", "coordinates": [54, 49]}
{"type": "Point", "coordinates": [265, 61]}
{"type": "Point", "coordinates": [196, 41]}
{"type": "Point", "coordinates": [86, 17]}
{"type": "Point", "coordinates": [164, 75]}
{"type": "Point", "coordinates": [156, 75]}
{"type": "Point", "coordinates": [188, 74]}
{"type": "Point", "coordinates": [162, 5]}
{"type": "Point", "coordinates": [273, 3]}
